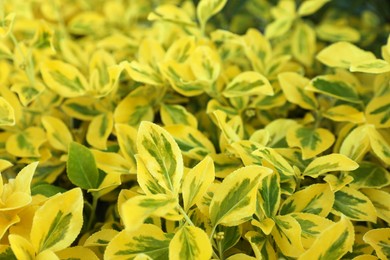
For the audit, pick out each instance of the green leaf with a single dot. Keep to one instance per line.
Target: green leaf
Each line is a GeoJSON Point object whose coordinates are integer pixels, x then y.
{"type": "Point", "coordinates": [269, 191]}
{"type": "Point", "coordinates": [369, 175]}
{"type": "Point", "coordinates": [46, 189]}
{"type": "Point", "coordinates": [81, 167]}
{"type": "Point", "coordinates": [354, 205]}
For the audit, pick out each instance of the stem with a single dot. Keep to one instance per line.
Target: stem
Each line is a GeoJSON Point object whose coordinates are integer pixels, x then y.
{"type": "Point", "coordinates": [212, 232]}
{"type": "Point", "coordinates": [220, 251]}
{"type": "Point", "coordinates": [93, 211]}
{"type": "Point", "coordinates": [186, 217]}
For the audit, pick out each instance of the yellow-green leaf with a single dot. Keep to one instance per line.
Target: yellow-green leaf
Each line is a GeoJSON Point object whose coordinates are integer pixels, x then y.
{"type": "Point", "coordinates": [240, 256]}
{"type": "Point", "coordinates": [279, 27]}
{"type": "Point", "coordinates": [207, 8]}
{"type": "Point", "coordinates": [148, 239]}
{"type": "Point", "coordinates": [261, 245]}
{"type": "Point", "coordinates": [226, 128]}
{"type": "Point", "coordinates": [6, 24]}
{"type": "Point", "coordinates": [311, 141]}
{"type": "Point", "coordinates": [190, 243]}
{"type": "Point", "coordinates": [235, 200]}
{"type": "Point", "coordinates": [315, 199]}
{"type": "Point", "coordinates": [370, 175]}
{"type": "Point", "coordinates": [137, 209]}
{"type": "Point", "coordinates": [111, 163]}
{"type": "Point", "coordinates": [76, 252]}
{"type": "Point", "coordinates": [177, 114]}
{"type": "Point", "coordinates": [7, 116]}
{"type": "Point", "coordinates": [248, 83]}
{"type": "Point", "coordinates": [354, 205]}
{"type": "Point", "coordinates": [101, 238]}
{"type": "Point", "coordinates": [276, 160]}
{"type": "Point", "coordinates": [303, 45]}
{"type": "Point", "coordinates": [311, 6]}
{"type": "Point", "coordinates": [245, 149]}
{"type": "Point", "coordinates": [133, 109]}
{"type": "Point", "coordinates": [205, 62]}
{"type": "Point", "coordinates": [99, 130]}
{"type": "Point", "coordinates": [161, 155]}
{"type": "Point", "coordinates": [126, 136]}
{"type": "Point", "coordinates": [293, 86]}
{"type": "Point", "coordinates": [287, 236]}
{"type": "Point", "coordinates": [266, 225]}
{"type": "Point", "coordinates": [343, 54]}
{"type": "Point", "coordinates": [336, 32]}
{"type": "Point", "coordinates": [269, 194]}
{"type": "Point", "coordinates": [330, 163]}
{"type": "Point", "coordinates": [172, 14]}
{"type": "Point", "coordinates": [344, 113]}
{"type": "Point", "coordinates": [378, 111]}
{"type": "Point", "coordinates": [356, 144]}
{"type": "Point", "coordinates": [57, 223]}
{"type": "Point", "coordinates": [197, 181]}
{"type": "Point", "coordinates": [278, 129]}
{"type": "Point", "coordinates": [63, 78]}
{"type": "Point", "coordinates": [370, 66]}
{"type": "Point", "coordinates": [379, 144]}
{"type": "Point", "coordinates": [58, 133]}
{"type": "Point", "coordinates": [380, 199]}
{"type": "Point", "coordinates": [26, 143]}
{"type": "Point", "coordinates": [146, 180]}
{"type": "Point", "coordinates": [379, 239]}
{"type": "Point", "coordinates": [332, 243]}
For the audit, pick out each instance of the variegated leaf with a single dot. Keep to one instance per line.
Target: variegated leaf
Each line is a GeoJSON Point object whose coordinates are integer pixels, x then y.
{"type": "Point", "coordinates": [205, 62]}
{"type": "Point", "coordinates": [207, 8]}
{"type": "Point", "coordinates": [370, 66]}
{"type": "Point", "coordinates": [304, 42]}
{"type": "Point", "coordinates": [336, 32]}
{"type": "Point", "coordinates": [330, 163]}
{"type": "Point", "coordinates": [369, 175]}
{"type": "Point", "coordinates": [276, 160]}
{"type": "Point", "coordinates": [279, 27]}
{"type": "Point", "coordinates": [287, 236]}
{"type": "Point", "coordinates": [76, 252]}
{"type": "Point", "coordinates": [111, 163]}
{"type": "Point", "coordinates": [82, 108]}
{"type": "Point", "coordinates": [356, 144]}
{"type": "Point", "coordinates": [234, 202]}
{"type": "Point", "coordinates": [380, 200]}
{"type": "Point", "coordinates": [261, 245]}
{"type": "Point", "coordinates": [190, 243]}
{"type": "Point", "coordinates": [6, 24]}
{"type": "Point", "coordinates": [379, 239]}
{"type": "Point", "coordinates": [354, 205]}
{"type": "Point", "coordinates": [269, 194]}
{"type": "Point", "coordinates": [146, 180]}
{"type": "Point", "coordinates": [26, 143]}
{"type": "Point", "coordinates": [21, 247]}
{"type": "Point", "coordinates": [315, 199]}
{"type": "Point", "coordinates": [379, 144]}
{"type": "Point", "coordinates": [58, 133]}
{"type": "Point", "coordinates": [177, 114]}
{"type": "Point", "coordinates": [161, 155]}
{"type": "Point", "coordinates": [378, 111]}
{"type": "Point", "coordinates": [101, 238]}
{"type": "Point", "coordinates": [132, 110]}
{"type": "Point", "coordinates": [345, 113]}
{"type": "Point", "coordinates": [7, 116]}
{"type": "Point", "coordinates": [333, 242]}
{"type": "Point", "coordinates": [99, 130]}
{"type": "Point", "coordinates": [127, 136]}
{"type": "Point", "coordinates": [310, 7]}
{"type": "Point", "coordinates": [248, 83]}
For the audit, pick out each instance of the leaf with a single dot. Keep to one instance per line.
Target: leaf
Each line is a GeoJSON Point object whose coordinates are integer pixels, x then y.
{"type": "Point", "coordinates": [333, 243]}
{"type": "Point", "coordinates": [191, 141]}
{"type": "Point", "coordinates": [205, 62]}
{"type": "Point", "coordinates": [46, 189]}
{"type": "Point", "coordinates": [207, 8]}
{"type": "Point", "coordinates": [293, 86]}
{"type": "Point", "coordinates": [99, 130]}
{"type": "Point", "coordinates": [370, 66]}
{"type": "Point", "coordinates": [248, 83]}
{"type": "Point", "coordinates": [316, 199]}
{"type": "Point", "coordinates": [7, 115]}
{"type": "Point", "coordinates": [101, 238]}
{"type": "Point", "coordinates": [312, 226]}
{"type": "Point", "coordinates": [177, 114]}
{"type": "Point", "coordinates": [279, 27]}
{"type": "Point", "coordinates": [85, 23]}
{"type": "Point", "coordinates": [303, 45]}
{"type": "Point", "coordinates": [276, 160]}
{"type": "Point", "coordinates": [311, 141]}
{"type": "Point", "coordinates": [356, 144]}
{"type": "Point", "coordinates": [379, 239]}
{"type": "Point", "coordinates": [146, 180]}
{"type": "Point", "coordinates": [336, 32]}
{"type": "Point", "coordinates": [26, 143]}
{"type": "Point", "coordinates": [226, 128]}
{"type": "Point", "coordinates": [240, 256]}
{"type": "Point", "coordinates": [21, 247]}
{"type": "Point", "coordinates": [63, 78]}
{"type": "Point", "coordinates": [57, 223]}
{"type": "Point", "coordinates": [343, 54]}
{"type": "Point", "coordinates": [354, 205]}
{"type": "Point", "coordinates": [181, 49]}
{"type": "Point", "coordinates": [58, 133]}
{"type": "Point", "coordinates": [81, 167]}
{"type": "Point", "coordinates": [261, 246]}
{"type": "Point", "coordinates": [197, 181]}
{"type": "Point", "coordinates": [329, 163]}
{"type": "Point", "coordinates": [137, 209]}
{"type": "Point", "coordinates": [6, 24]}
{"type": "Point", "coordinates": [379, 198]}
{"type": "Point", "coordinates": [369, 175]}
{"type": "Point", "coordinates": [379, 144]}
{"type": "Point", "coordinates": [278, 129]}
{"type": "Point", "coordinates": [269, 191]}
{"type": "Point", "coordinates": [82, 108]}
{"type": "Point", "coordinates": [172, 14]}
{"type": "Point", "coordinates": [190, 243]}
{"type": "Point", "coordinates": [345, 113]}
{"type": "Point", "coordinates": [148, 239]}
{"type": "Point", "coordinates": [245, 150]}
{"type": "Point", "coordinates": [334, 86]}
{"type": "Point", "coordinates": [132, 110]}
{"type": "Point", "coordinates": [111, 163]}
{"type": "Point", "coordinates": [378, 111]}
{"type": "Point", "coordinates": [287, 236]}
{"type": "Point", "coordinates": [161, 155]}
{"type": "Point", "coordinates": [311, 6]}
{"type": "Point", "coordinates": [126, 136]}
{"type": "Point", "coordinates": [77, 252]}
{"type": "Point", "coordinates": [234, 202]}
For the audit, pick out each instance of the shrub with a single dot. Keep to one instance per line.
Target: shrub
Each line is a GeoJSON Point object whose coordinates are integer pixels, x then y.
{"type": "Point", "coordinates": [194, 130]}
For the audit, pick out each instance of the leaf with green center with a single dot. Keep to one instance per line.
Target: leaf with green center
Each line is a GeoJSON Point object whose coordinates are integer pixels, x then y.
{"type": "Point", "coordinates": [132, 110]}
{"type": "Point", "coordinates": [375, 66]}
{"type": "Point", "coordinates": [6, 24]}
{"type": "Point", "coordinates": [332, 243]}
{"type": "Point", "coordinates": [379, 144]}
{"type": "Point", "coordinates": [356, 144]}
{"type": "Point", "coordinates": [148, 239]}
{"type": "Point", "coordinates": [287, 235]}
{"type": "Point", "coordinates": [380, 199]}
{"type": "Point", "coordinates": [26, 143]}
{"type": "Point", "coordinates": [379, 239]}
{"type": "Point", "coordinates": [205, 62]}
{"type": "Point", "coordinates": [248, 83]}
{"type": "Point", "coordinates": [177, 114]}
{"type": "Point", "coordinates": [81, 167]}
{"type": "Point", "coordinates": [316, 199]}
{"type": "Point", "coordinates": [58, 133]}
{"type": "Point", "coordinates": [329, 163]}
{"type": "Point", "coordinates": [378, 111]}
{"type": "Point", "coordinates": [310, 7]}
{"type": "Point", "coordinates": [7, 116]}
{"type": "Point", "coordinates": [21, 247]}
{"type": "Point", "coordinates": [311, 141]}
{"type": "Point", "coordinates": [261, 245]}
{"type": "Point", "coordinates": [354, 205]}
{"type": "Point", "coordinates": [161, 155]}
{"type": "Point", "coordinates": [276, 160]}
{"type": "Point", "coordinates": [369, 175]}
{"type": "Point", "coordinates": [99, 130]}
{"type": "Point", "coordinates": [304, 43]}
{"type": "Point", "coordinates": [57, 223]}
{"type": "Point", "coordinates": [190, 243]}
{"type": "Point", "coordinates": [345, 113]}
{"type": "Point", "coordinates": [235, 200]}
{"type": "Point", "coordinates": [127, 136]}
{"type": "Point", "coordinates": [207, 8]}
{"type": "Point", "coordinates": [269, 194]}
{"type": "Point", "coordinates": [279, 27]}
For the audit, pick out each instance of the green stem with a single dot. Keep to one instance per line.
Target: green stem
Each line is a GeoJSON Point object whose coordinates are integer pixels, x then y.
{"type": "Point", "coordinates": [186, 217]}
{"type": "Point", "coordinates": [212, 232]}
{"type": "Point", "coordinates": [220, 251]}
{"type": "Point", "coordinates": [95, 200]}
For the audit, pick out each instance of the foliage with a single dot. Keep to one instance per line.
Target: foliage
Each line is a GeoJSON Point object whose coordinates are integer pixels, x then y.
{"type": "Point", "coordinates": [193, 130]}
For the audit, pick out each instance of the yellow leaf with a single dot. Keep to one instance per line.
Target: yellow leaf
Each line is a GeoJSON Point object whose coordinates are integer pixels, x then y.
{"type": "Point", "coordinates": [304, 43]}
{"type": "Point", "coordinates": [261, 245]}
{"type": "Point", "coordinates": [207, 8]}
{"type": "Point", "coordinates": [181, 49]}
{"type": "Point", "coordinates": [227, 130]}
{"type": "Point", "coordinates": [101, 238]}
{"type": "Point", "coordinates": [379, 239]}
{"type": "Point", "coordinates": [177, 114]}
{"type": "Point", "coordinates": [278, 129]}
{"type": "Point", "coordinates": [63, 78]}
{"type": "Point", "coordinates": [137, 209]}
{"type": "Point", "coordinates": [345, 113]}
{"type": "Point", "coordinates": [197, 181]}
{"type": "Point", "coordinates": [330, 163]}
{"type": "Point", "coordinates": [311, 141]}
{"type": "Point", "coordinates": [190, 243]}
{"type": "Point", "coordinates": [356, 144]}
{"type": "Point", "coordinates": [379, 198]}
{"type": "Point", "coordinates": [205, 63]}
{"type": "Point", "coordinates": [244, 149]}
{"type": "Point", "coordinates": [99, 130]}
{"type": "Point", "coordinates": [337, 183]}
{"type": "Point", "coordinates": [7, 116]}
{"type": "Point", "coordinates": [58, 221]}
{"type": "Point", "coordinates": [85, 23]}
{"type": "Point", "coordinates": [279, 27]}
{"type": "Point", "coordinates": [21, 247]}
{"type": "Point", "coordinates": [240, 256]}
{"type": "Point", "coordinates": [4, 164]}
{"type": "Point", "coordinates": [234, 201]}
{"type": "Point", "coordinates": [370, 66]}
{"type": "Point", "coordinates": [27, 92]}
{"type": "Point", "coordinates": [335, 32]}
{"type": "Point", "coordinates": [26, 143]}
{"type": "Point", "coordinates": [379, 144]}
{"type": "Point", "coordinates": [6, 24]}
{"type": "Point", "coordinates": [365, 257]}
{"type": "Point", "coordinates": [266, 225]}
{"type": "Point", "coordinates": [171, 13]}
{"type": "Point", "coordinates": [58, 133]}
{"type": "Point", "coordinates": [248, 83]}
{"type": "Point", "coordinates": [287, 236]}
{"type": "Point", "coordinates": [126, 136]}
{"type": "Point", "coordinates": [378, 111]}
{"type": "Point", "coordinates": [111, 163]}
{"type": "Point", "coordinates": [343, 54]}
{"type": "Point", "coordinates": [77, 252]}
{"type": "Point", "coordinates": [315, 199]}
{"type": "Point", "coordinates": [332, 243]}
{"type": "Point", "coordinates": [309, 7]}
{"type": "Point", "coordinates": [276, 160]}
{"type": "Point", "coordinates": [83, 108]}
{"type": "Point", "coordinates": [133, 109]}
